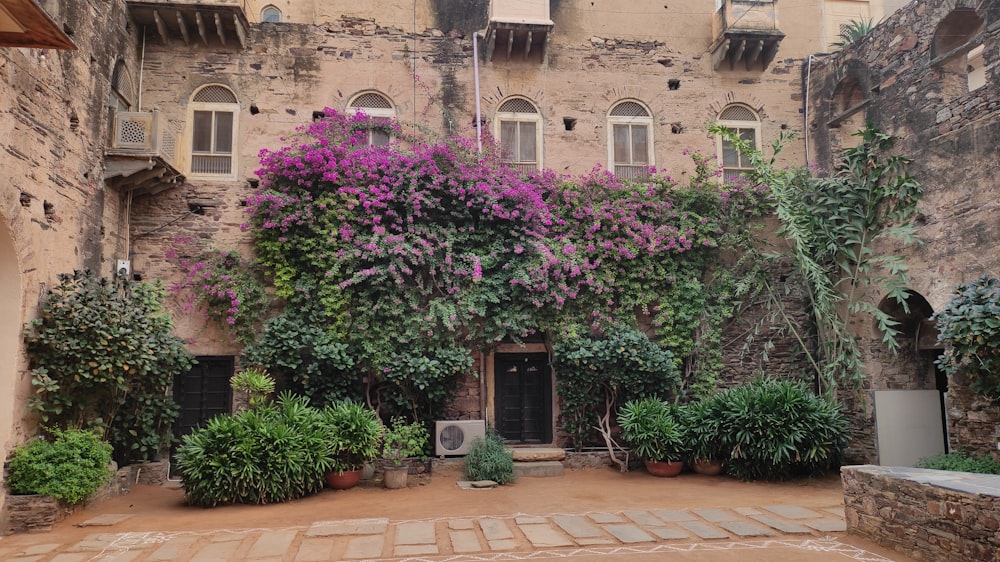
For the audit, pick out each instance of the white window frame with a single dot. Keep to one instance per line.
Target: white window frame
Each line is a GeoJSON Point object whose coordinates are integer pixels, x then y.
{"type": "Point", "coordinates": [517, 117]}
{"type": "Point", "coordinates": [633, 169]}
{"type": "Point", "coordinates": [215, 108]}
{"type": "Point", "coordinates": [122, 95]}
{"type": "Point", "coordinates": [730, 173]}
{"type": "Point", "coordinates": [276, 10]}
{"type": "Point", "coordinates": [376, 114]}
{"type": "Point", "coordinates": [974, 63]}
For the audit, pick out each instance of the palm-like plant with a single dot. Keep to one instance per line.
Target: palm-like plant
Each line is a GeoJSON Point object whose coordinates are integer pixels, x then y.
{"type": "Point", "coordinates": [852, 31]}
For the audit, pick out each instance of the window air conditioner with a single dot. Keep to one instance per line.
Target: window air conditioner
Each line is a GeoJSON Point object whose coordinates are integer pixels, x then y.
{"type": "Point", "coordinates": [453, 437]}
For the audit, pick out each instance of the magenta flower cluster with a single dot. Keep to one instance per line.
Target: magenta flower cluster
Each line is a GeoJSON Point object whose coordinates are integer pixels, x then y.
{"type": "Point", "coordinates": [428, 237]}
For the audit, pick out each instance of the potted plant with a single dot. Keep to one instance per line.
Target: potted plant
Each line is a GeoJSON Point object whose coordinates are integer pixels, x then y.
{"type": "Point", "coordinates": [650, 427]}
{"type": "Point", "coordinates": [700, 427]}
{"type": "Point", "coordinates": [402, 441]}
{"type": "Point", "coordinates": [254, 384]}
{"type": "Point", "coordinates": [355, 438]}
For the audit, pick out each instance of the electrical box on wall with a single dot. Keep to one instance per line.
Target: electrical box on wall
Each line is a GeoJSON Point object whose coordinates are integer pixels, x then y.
{"type": "Point", "coordinates": [124, 267]}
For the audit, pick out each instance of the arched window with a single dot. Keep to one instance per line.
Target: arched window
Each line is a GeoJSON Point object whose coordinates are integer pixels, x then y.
{"type": "Point", "coordinates": [746, 124]}
{"type": "Point", "coordinates": [123, 93]}
{"type": "Point", "coordinates": [518, 125]}
{"type": "Point", "coordinates": [270, 14]}
{"type": "Point", "coordinates": [957, 53]}
{"type": "Point", "coordinates": [213, 116]}
{"type": "Point", "coordinates": [848, 110]}
{"type": "Point", "coordinates": [630, 139]}
{"type": "Point", "coordinates": [380, 110]}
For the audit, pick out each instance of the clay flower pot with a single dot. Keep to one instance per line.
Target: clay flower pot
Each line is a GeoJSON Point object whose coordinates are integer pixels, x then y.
{"type": "Point", "coordinates": [708, 467]}
{"type": "Point", "coordinates": [394, 477]}
{"type": "Point", "coordinates": [343, 480]}
{"type": "Point", "coordinates": [664, 468]}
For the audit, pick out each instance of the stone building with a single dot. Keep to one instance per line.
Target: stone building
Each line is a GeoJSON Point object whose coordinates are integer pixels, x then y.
{"type": "Point", "coordinates": [131, 125]}
{"type": "Point", "coordinates": [927, 75]}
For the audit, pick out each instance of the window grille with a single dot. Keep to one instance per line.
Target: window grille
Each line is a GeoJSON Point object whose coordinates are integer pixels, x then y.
{"type": "Point", "coordinates": [517, 105]}
{"type": "Point", "coordinates": [215, 94]}
{"type": "Point", "coordinates": [371, 100]}
{"type": "Point", "coordinates": [629, 109]}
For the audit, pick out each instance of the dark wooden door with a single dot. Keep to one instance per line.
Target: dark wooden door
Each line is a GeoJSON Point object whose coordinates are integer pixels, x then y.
{"type": "Point", "coordinates": [202, 393]}
{"type": "Point", "coordinates": [523, 405]}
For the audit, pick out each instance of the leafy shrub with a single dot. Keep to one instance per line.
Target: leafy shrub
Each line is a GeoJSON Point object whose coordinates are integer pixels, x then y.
{"type": "Point", "coordinates": [970, 326]}
{"type": "Point", "coordinates": [700, 423]}
{"type": "Point", "coordinates": [314, 362]}
{"type": "Point", "coordinates": [274, 453]}
{"type": "Point", "coordinates": [962, 462]}
{"type": "Point", "coordinates": [488, 459]}
{"type": "Point", "coordinates": [355, 432]}
{"type": "Point", "coordinates": [420, 382]}
{"type": "Point", "coordinates": [404, 440]}
{"type": "Point", "coordinates": [650, 427]}
{"type": "Point", "coordinates": [102, 355]}
{"type": "Point", "coordinates": [255, 383]}
{"type": "Point", "coordinates": [775, 429]}
{"type": "Point", "coordinates": [595, 374]}
{"type": "Point", "coordinates": [70, 467]}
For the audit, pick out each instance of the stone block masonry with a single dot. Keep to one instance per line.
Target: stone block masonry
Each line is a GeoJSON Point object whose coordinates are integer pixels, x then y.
{"type": "Point", "coordinates": [926, 514]}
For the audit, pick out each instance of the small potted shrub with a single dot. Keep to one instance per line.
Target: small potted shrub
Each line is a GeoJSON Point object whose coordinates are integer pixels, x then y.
{"type": "Point", "coordinates": [355, 438]}
{"type": "Point", "coordinates": [402, 441]}
{"type": "Point", "coordinates": [256, 384]}
{"type": "Point", "coordinates": [650, 427]}
{"type": "Point", "coordinates": [700, 421]}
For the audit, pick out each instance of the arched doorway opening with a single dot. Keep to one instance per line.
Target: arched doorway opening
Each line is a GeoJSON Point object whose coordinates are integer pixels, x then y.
{"type": "Point", "coordinates": [910, 403]}
{"type": "Point", "coordinates": [10, 334]}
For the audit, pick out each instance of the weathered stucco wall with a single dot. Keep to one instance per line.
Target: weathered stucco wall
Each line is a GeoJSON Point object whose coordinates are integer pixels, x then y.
{"type": "Point", "coordinates": [57, 214]}
{"type": "Point", "coordinates": [897, 79]}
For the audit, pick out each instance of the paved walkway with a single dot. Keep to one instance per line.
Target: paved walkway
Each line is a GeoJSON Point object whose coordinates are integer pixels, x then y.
{"type": "Point", "coordinates": [709, 534]}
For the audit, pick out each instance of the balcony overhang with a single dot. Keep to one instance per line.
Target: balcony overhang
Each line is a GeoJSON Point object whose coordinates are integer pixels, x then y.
{"type": "Point", "coordinates": [518, 40]}
{"type": "Point", "coordinates": [141, 154]}
{"type": "Point", "coordinates": [752, 48]}
{"type": "Point", "coordinates": [209, 22]}
{"type": "Point", "coordinates": [24, 24]}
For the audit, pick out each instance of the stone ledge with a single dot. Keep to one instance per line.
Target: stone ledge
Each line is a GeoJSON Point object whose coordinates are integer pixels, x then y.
{"type": "Point", "coordinates": [537, 454]}
{"type": "Point", "coordinates": [927, 514]}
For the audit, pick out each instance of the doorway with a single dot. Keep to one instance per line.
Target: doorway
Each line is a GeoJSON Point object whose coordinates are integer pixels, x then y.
{"type": "Point", "coordinates": [523, 399]}
{"type": "Point", "coordinates": [202, 393]}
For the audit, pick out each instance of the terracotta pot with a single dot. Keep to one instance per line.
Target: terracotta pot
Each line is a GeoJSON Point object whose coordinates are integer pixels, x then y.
{"type": "Point", "coordinates": [667, 468]}
{"type": "Point", "coordinates": [708, 467]}
{"type": "Point", "coordinates": [394, 477]}
{"type": "Point", "coordinates": [343, 480]}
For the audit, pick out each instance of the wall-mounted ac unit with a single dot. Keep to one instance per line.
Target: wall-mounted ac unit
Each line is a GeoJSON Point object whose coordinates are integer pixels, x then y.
{"type": "Point", "coordinates": [454, 437]}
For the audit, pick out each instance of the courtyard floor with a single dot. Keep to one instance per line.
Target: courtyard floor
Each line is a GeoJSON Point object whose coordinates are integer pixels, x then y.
{"type": "Point", "coordinates": [584, 515]}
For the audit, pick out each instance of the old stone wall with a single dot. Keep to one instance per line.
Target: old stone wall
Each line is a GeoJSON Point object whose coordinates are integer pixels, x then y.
{"type": "Point", "coordinates": [926, 514]}
{"type": "Point", "coordinates": [57, 214]}
{"type": "Point", "coordinates": [910, 81]}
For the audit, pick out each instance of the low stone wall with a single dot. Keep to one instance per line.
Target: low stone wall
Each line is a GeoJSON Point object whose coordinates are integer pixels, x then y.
{"type": "Point", "coordinates": [926, 514]}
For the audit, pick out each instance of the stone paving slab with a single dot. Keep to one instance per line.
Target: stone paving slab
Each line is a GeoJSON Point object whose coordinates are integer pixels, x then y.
{"type": "Point", "coordinates": [315, 550]}
{"type": "Point", "coordinates": [744, 529]}
{"type": "Point", "coordinates": [606, 518]}
{"type": "Point", "coordinates": [779, 524]}
{"type": "Point", "coordinates": [643, 518]}
{"type": "Point", "coordinates": [272, 544]}
{"type": "Point", "coordinates": [792, 512]}
{"type": "Point", "coordinates": [703, 530]}
{"type": "Point", "coordinates": [415, 550]}
{"type": "Point", "coordinates": [415, 532]}
{"type": "Point", "coordinates": [495, 529]}
{"type": "Point", "coordinates": [715, 515]}
{"type": "Point", "coordinates": [577, 526]}
{"type": "Point", "coordinates": [216, 551]}
{"type": "Point", "coordinates": [461, 524]}
{"type": "Point", "coordinates": [172, 550]}
{"type": "Point", "coordinates": [674, 515]}
{"type": "Point", "coordinates": [369, 546]}
{"type": "Point", "coordinates": [464, 542]}
{"type": "Point", "coordinates": [669, 533]}
{"type": "Point", "coordinates": [69, 557]}
{"type": "Point", "coordinates": [348, 527]}
{"type": "Point", "coordinates": [629, 534]}
{"type": "Point", "coordinates": [544, 536]}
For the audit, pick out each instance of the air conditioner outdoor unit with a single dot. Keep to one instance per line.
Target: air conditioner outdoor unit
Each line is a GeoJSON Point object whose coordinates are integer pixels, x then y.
{"type": "Point", "coordinates": [453, 437]}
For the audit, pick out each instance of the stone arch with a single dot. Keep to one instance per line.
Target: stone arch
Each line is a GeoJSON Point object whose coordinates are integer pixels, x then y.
{"type": "Point", "coordinates": [918, 347]}
{"type": "Point", "coordinates": [955, 30]}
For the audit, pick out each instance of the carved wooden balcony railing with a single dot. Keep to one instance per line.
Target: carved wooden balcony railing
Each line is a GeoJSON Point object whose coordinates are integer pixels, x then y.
{"type": "Point", "coordinates": [518, 30]}
{"type": "Point", "coordinates": [142, 154]}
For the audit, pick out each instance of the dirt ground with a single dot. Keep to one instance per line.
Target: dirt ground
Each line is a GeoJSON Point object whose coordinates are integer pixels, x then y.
{"type": "Point", "coordinates": [576, 492]}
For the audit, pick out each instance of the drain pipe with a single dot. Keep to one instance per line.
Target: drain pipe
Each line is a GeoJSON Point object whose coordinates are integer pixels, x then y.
{"type": "Point", "coordinates": [805, 112]}
{"type": "Point", "coordinates": [475, 67]}
{"type": "Point", "coordinates": [142, 63]}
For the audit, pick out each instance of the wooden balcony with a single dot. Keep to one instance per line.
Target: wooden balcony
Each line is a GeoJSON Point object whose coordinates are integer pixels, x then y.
{"type": "Point", "coordinates": [24, 24]}
{"type": "Point", "coordinates": [142, 155]}
{"type": "Point", "coordinates": [207, 22]}
{"type": "Point", "coordinates": [745, 32]}
{"type": "Point", "coordinates": [518, 30]}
